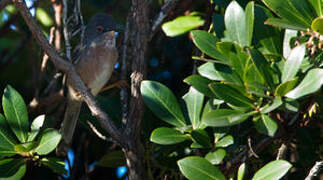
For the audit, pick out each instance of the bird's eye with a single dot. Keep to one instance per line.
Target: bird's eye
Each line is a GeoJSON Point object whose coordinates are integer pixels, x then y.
{"type": "Point", "coordinates": [99, 29]}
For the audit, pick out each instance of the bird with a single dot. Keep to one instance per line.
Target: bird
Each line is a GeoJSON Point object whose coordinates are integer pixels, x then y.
{"type": "Point", "coordinates": [94, 64]}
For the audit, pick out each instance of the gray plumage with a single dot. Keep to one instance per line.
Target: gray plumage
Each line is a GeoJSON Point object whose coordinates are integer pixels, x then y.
{"type": "Point", "coordinates": [94, 65]}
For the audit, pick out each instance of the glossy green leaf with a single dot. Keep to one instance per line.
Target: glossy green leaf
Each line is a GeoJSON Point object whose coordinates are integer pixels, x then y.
{"type": "Point", "coordinates": [7, 141]}
{"type": "Point", "coordinates": [194, 102]}
{"type": "Point", "coordinates": [43, 17]}
{"type": "Point", "coordinates": [224, 117]}
{"type": "Point", "coordinates": [201, 137]}
{"type": "Point", "coordinates": [291, 105]}
{"type": "Point", "coordinates": [250, 17]}
{"type": "Point", "coordinates": [266, 125]}
{"type": "Point", "coordinates": [310, 84]}
{"type": "Point", "coordinates": [201, 84]}
{"type": "Point", "coordinates": [235, 23]}
{"type": "Point", "coordinates": [181, 25]}
{"type": "Point", "coordinates": [16, 114]}
{"type": "Point", "coordinates": [289, 34]}
{"type": "Point", "coordinates": [48, 141]}
{"type": "Point", "coordinates": [293, 63]}
{"type": "Point", "coordinates": [12, 169]}
{"type": "Point", "coordinates": [220, 132]}
{"type": "Point", "coordinates": [285, 87]}
{"type": "Point", "coordinates": [162, 102]}
{"type": "Point", "coordinates": [317, 5]}
{"type": "Point", "coordinates": [55, 164]}
{"type": "Point", "coordinates": [35, 127]}
{"type": "Point", "coordinates": [290, 11]}
{"type": "Point", "coordinates": [270, 38]}
{"type": "Point", "coordinates": [273, 170]}
{"type": "Point", "coordinates": [112, 159]}
{"type": "Point", "coordinates": [219, 72]}
{"type": "Point", "coordinates": [225, 141]}
{"type": "Point", "coordinates": [283, 23]}
{"type": "Point", "coordinates": [241, 171]}
{"type": "Point", "coordinates": [25, 149]}
{"type": "Point", "coordinates": [197, 168]}
{"type": "Point", "coordinates": [317, 25]}
{"type": "Point", "coordinates": [167, 136]}
{"type": "Point", "coordinates": [262, 66]}
{"type": "Point", "coordinates": [206, 42]}
{"type": "Point", "coordinates": [230, 95]}
{"type": "Point", "coordinates": [215, 157]}
{"type": "Point", "coordinates": [277, 102]}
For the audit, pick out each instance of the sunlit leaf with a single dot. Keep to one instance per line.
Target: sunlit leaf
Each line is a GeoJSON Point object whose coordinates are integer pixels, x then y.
{"type": "Point", "coordinates": [48, 141]}
{"type": "Point", "coordinates": [273, 170]}
{"type": "Point", "coordinates": [197, 168]}
{"type": "Point", "coordinates": [16, 114]}
{"type": "Point", "coordinates": [181, 25]}
{"type": "Point", "coordinates": [167, 136]}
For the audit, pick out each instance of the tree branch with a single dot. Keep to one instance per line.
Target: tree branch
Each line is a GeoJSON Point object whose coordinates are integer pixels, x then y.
{"type": "Point", "coordinates": [69, 69]}
{"type": "Point", "coordinates": [164, 11]}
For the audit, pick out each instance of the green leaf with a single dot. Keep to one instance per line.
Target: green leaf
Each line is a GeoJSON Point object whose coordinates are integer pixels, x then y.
{"type": "Point", "coordinates": [181, 25]}
{"type": "Point", "coordinates": [35, 127]}
{"type": "Point", "coordinates": [48, 141]}
{"type": "Point", "coordinates": [266, 125]}
{"type": "Point", "coordinates": [285, 87]}
{"type": "Point", "coordinates": [162, 102]}
{"type": "Point", "coordinates": [167, 136]}
{"type": "Point", "coordinates": [310, 84]}
{"type": "Point", "coordinates": [277, 102]}
{"type": "Point", "coordinates": [219, 72]}
{"type": "Point", "coordinates": [235, 23]}
{"type": "Point", "coordinates": [241, 171]}
{"type": "Point", "coordinates": [201, 84]}
{"type": "Point", "coordinates": [197, 168]}
{"type": "Point", "coordinates": [225, 141]}
{"type": "Point", "coordinates": [12, 169]}
{"type": "Point", "coordinates": [224, 117]}
{"type": "Point", "coordinates": [194, 102]}
{"type": "Point", "coordinates": [55, 164]}
{"type": "Point", "coordinates": [25, 149]}
{"type": "Point", "coordinates": [250, 17]}
{"type": "Point", "coordinates": [201, 137]}
{"type": "Point", "coordinates": [112, 159]}
{"type": "Point", "coordinates": [215, 157]}
{"type": "Point", "coordinates": [273, 170]}
{"type": "Point", "coordinates": [16, 114]}
{"type": "Point", "coordinates": [293, 63]}
{"type": "Point", "coordinates": [283, 23]}
{"type": "Point", "coordinates": [317, 5]}
{"type": "Point", "coordinates": [7, 141]}
{"type": "Point", "coordinates": [317, 25]}
{"type": "Point", "coordinates": [206, 42]}
{"type": "Point", "coordinates": [291, 105]}
{"type": "Point", "coordinates": [230, 95]}
{"type": "Point", "coordinates": [262, 66]}
{"type": "Point", "coordinates": [43, 17]}
{"type": "Point", "coordinates": [289, 34]}
{"type": "Point", "coordinates": [269, 37]}
{"type": "Point", "coordinates": [292, 11]}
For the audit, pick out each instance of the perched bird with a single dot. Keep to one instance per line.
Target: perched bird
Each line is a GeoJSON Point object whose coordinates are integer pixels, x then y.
{"type": "Point", "coordinates": [94, 64]}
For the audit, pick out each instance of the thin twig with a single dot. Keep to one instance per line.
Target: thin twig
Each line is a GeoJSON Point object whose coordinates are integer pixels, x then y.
{"type": "Point", "coordinates": [164, 11]}
{"type": "Point", "coordinates": [93, 128]}
{"type": "Point", "coordinates": [65, 31]}
{"type": "Point", "coordinates": [281, 152]}
{"type": "Point", "coordinates": [124, 73]}
{"type": "Point", "coordinates": [250, 148]}
{"type": "Point", "coordinates": [315, 170]}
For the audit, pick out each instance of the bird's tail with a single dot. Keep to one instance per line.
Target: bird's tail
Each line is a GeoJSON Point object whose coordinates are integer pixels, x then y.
{"type": "Point", "coordinates": [68, 125]}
